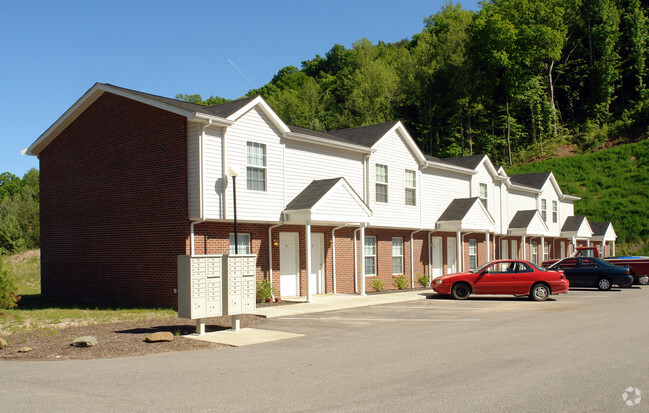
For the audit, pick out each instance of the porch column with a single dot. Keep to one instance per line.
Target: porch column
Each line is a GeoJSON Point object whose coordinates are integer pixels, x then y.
{"type": "Point", "coordinates": [588, 242]}
{"type": "Point", "coordinates": [603, 249]}
{"type": "Point", "coordinates": [363, 259]}
{"type": "Point", "coordinates": [487, 238]}
{"type": "Point", "coordinates": [613, 254]}
{"type": "Point", "coordinates": [307, 241]}
{"type": "Point", "coordinates": [574, 244]}
{"type": "Point", "coordinates": [543, 250]}
{"type": "Point", "coordinates": [460, 253]}
{"type": "Point", "coordinates": [523, 247]}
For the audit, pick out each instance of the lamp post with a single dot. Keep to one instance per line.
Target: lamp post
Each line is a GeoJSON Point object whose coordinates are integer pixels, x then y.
{"type": "Point", "coordinates": [234, 173]}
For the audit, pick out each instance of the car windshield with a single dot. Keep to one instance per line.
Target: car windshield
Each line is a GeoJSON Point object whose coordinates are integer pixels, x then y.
{"type": "Point", "coordinates": [538, 267]}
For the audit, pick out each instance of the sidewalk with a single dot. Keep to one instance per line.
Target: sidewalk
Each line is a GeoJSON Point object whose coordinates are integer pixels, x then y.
{"type": "Point", "coordinates": [332, 302]}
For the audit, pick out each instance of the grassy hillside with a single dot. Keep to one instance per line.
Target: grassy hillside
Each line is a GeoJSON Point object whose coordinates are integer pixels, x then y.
{"type": "Point", "coordinates": [613, 185]}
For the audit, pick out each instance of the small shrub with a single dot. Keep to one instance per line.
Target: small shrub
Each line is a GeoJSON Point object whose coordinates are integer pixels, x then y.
{"type": "Point", "coordinates": [264, 291]}
{"type": "Point", "coordinates": [400, 281]}
{"type": "Point", "coordinates": [377, 284]}
{"type": "Point", "coordinates": [8, 296]}
{"type": "Point", "coordinates": [423, 279]}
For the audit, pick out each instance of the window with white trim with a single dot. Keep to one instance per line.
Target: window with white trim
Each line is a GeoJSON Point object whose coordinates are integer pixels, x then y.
{"type": "Point", "coordinates": [256, 166]}
{"type": "Point", "coordinates": [370, 255]}
{"type": "Point", "coordinates": [381, 183]}
{"type": "Point", "coordinates": [244, 243]}
{"type": "Point", "coordinates": [535, 252]}
{"type": "Point", "coordinates": [546, 251]}
{"type": "Point", "coordinates": [544, 209]}
{"type": "Point", "coordinates": [411, 187]}
{"type": "Point", "coordinates": [483, 194]}
{"type": "Point", "coordinates": [473, 254]}
{"type": "Point", "coordinates": [555, 212]}
{"type": "Point", "coordinates": [397, 255]}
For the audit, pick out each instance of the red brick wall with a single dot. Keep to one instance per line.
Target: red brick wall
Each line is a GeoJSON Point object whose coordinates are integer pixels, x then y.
{"type": "Point", "coordinates": [114, 205]}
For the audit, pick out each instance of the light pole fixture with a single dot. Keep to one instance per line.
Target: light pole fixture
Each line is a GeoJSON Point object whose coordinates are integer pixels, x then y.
{"type": "Point", "coordinates": [234, 173]}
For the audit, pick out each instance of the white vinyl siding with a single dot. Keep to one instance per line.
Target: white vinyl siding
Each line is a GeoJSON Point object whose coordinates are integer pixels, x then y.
{"type": "Point", "coordinates": [370, 255]}
{"type": "Point", "coordinates": [381, 183]}
{"type": "Point", "coordinates": [473, 254]}
{"type": "Point", "coordinates": [397, 255]}
{"type": "Point", "coordinates": [243, 241]}
{"type": "Point", "coordinates": [411, 187]}
{"type": "Point", "coordinates": [434, 183]}
{"type": "Point", "coordinates": [255, 166]}
{"type": "Point", "coordinates": [193, 170]}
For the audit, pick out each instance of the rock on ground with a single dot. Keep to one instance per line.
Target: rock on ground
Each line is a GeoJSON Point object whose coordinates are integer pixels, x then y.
{"type": "Point", "coordinates": [85, 341]}
{"type": "Point", "coordinates": [159, 336]}
{"type": "Point", "coordinates": [3, 343]}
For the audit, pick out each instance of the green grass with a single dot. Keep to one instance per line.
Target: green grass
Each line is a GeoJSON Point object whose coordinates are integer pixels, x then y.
{"type": "Point", "coordinates": [613, 185]}
{"type": "Point", "coordinates": [37, 313]}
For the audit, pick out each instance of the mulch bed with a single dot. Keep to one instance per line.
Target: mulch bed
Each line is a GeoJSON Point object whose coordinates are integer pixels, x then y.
{"type": "Point", "coordinates": [122, 339]}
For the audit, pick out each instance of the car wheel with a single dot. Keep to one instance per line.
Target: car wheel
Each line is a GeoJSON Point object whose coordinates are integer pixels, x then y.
{"type": "Point", "coordinates": [604, 284]}
{"type": "Point", "coordinates": [643, 280]}
{"type": "Point", "coordinates": [461, 291]}
{"type": "Point", "coordinates": [539, 292]}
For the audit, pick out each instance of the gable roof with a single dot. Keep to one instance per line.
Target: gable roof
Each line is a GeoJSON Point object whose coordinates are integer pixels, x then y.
{"type": "Point", "coordinates": [312, 193]}
{"type": "Point", "coordinates": [364, 135]}
{"type": "Point", "coordinates": [457, 209]}
{"type": "Point", "coordinates": [572, 223]}
{"type": "Point", "coordinates": [533, 180]}
{"type": "Point", "coordinates": [522, 218]}
{"type": "Point", "coordinates": [466, 214]}
{"type": "Point", "coordinates": [469, 162]}
{"type": "Point", "coordinates": [576, 226]}
{"type": "Point", "coordinates": [527, 222]}
{"type": "Point", "coordinates": [603, 231]}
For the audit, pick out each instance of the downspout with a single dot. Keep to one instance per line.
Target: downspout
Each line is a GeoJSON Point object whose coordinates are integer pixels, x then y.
{"type": "Point", "coordinates": [201, 195]}
{"type": "Point", "coordinates": [333, 252]}
{"type": "Point", "coordinates": [430, 256]}
{"type": "Point", "coordinates": [412, 258]}
{"type": "Point", "coordinates": [270, 257]}
{"type": "Point", "coordinates": [356, 263]}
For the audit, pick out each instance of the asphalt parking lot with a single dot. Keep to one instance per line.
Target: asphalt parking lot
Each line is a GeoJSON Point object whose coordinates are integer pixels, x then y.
{"type": "Point", "coordinates": [576, 352]}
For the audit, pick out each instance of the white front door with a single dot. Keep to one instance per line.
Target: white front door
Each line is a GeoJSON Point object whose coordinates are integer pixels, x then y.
{"type": "Point", "coordinates": [514, 250]}
{"type": "Point", "coordinates": [451, 255]}
{"type": "Point", "coordinates": [504, 253]}
{"type": "Point", "coordinates": [437, 263]}
{"type": "Point", "coordinates": [289, 268]}
{"type": "Point", "coordinates": [316, 280]}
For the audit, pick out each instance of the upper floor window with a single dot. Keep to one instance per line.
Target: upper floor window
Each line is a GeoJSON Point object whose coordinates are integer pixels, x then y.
{"type": "Point", "coordinates": [411, 187]}
{"type": "Point", "coordinates": [256, 166]}
{"type": "Point", "coordinates": [397, 255]}
{"type": "Point", "coordinates": [544, 209]}
{"type": "Point", "coordinates": [370, 255]}
{"type": "Point", "coordinates": [473, 254]}
{"type": "Point", "coordinates": [555, 212]}
{"type": "Point", "coordinates": [483, 194]}
{"type": "Point", "coordinates": [381, 183]}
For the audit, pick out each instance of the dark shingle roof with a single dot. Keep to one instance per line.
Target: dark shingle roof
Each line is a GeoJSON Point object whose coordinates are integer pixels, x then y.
{"type": "Point", "coordinates": [572, 224]}
{"type": "Point", "coordinates": [535, 180]}
{"type": "Point", "coordinates": [599, 228]}
{"type": "Point", "coordinates": [312, 194]}
{"type": "Point", "coordinates": [223, 110]}
{"type": "Point", "coordinates": [457, 209]}
{"type": "Point", "coordinates": [326, 135]}
{"type": "Point", "coordinates": [364, 135]}
{"type": "Point", "coordinates": [522, 219]}
{"type": "Point", "coordinates": [469, 162]}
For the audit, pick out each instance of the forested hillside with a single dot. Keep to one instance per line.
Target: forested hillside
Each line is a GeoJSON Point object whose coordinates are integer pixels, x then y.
{"type": "Point", "coordinates": [512, 80]}
{"type": "Point", "coordinates": [19, 212]}
{"type": "Point", "coordinates": [613, 185]}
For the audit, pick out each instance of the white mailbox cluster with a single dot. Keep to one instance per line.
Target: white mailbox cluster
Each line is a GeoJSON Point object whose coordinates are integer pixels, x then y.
{"type": "Point", "coordinates": [215, 285]}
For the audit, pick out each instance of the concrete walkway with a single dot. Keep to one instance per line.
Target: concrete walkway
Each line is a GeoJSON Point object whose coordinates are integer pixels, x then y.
{"type": "Point", "coordinates": [332, 302]}
{"type": "Point", "coordinates": [318, 304]}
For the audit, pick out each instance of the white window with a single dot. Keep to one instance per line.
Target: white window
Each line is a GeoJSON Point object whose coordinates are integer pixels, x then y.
{"type": "Point", "coordinates": [370, 255]}
{"type": "Point", "coordinates": [473, 254]}
{"type": "Point", "coordinates": [544, 209]}
{"type": "Point", "coordinates": [555, 212]}
{"type": "Point", "coordinates": [411, 187]}
{"type": "Point", "coordinates": [244, 243]}
{"type": "Point", "coordinates": [535, 252]}
{"type": "Point", "coordinates": [483, 194]}
{"type": "Point", "coordinates": [397, 255]}
{"type": "Point", "coordinates": [546, 251]}
{"type": "Point", "coordinates": [256, 166]}
{"type": "Point", "coordinates": [381, 183]}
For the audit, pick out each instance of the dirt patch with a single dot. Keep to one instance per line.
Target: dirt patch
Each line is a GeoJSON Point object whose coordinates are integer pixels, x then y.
{"type": "Point", "coordinates": [122, 339]}
{"type": "Point", "coordinates": [23, 257]}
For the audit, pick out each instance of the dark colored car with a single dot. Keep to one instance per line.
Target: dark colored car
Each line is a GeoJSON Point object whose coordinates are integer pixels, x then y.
{"type": "Point", "coordinates": [516, 277]}
{"type": "Point", "coordinates": [593, 272]}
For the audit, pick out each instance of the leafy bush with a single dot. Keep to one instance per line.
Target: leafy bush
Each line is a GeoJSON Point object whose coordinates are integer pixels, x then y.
{"type": "Point", "coordinates": [424, 279]}
{"type": "Point", "coordinates": [264, 291]}
{"type": "Point", "coordinates": [8, 296]}
{"type": "Point", "coordinates": [376, 284]}
{"type": "Point", "coordinates": [400, 281]}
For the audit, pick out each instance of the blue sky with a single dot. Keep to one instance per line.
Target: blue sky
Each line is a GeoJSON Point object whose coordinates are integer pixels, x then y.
{"type": "Point", "coordinates": [51, 53]}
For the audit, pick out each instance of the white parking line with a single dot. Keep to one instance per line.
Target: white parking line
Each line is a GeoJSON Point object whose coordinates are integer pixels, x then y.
{"type": "Point", "coordinates": [382, 319]}
{"type": "Point", "coordinates": [429, 306]}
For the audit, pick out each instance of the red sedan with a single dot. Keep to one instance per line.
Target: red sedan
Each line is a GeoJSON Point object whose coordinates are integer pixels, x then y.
{"type": "Point", "coordinates": [516, 277]}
